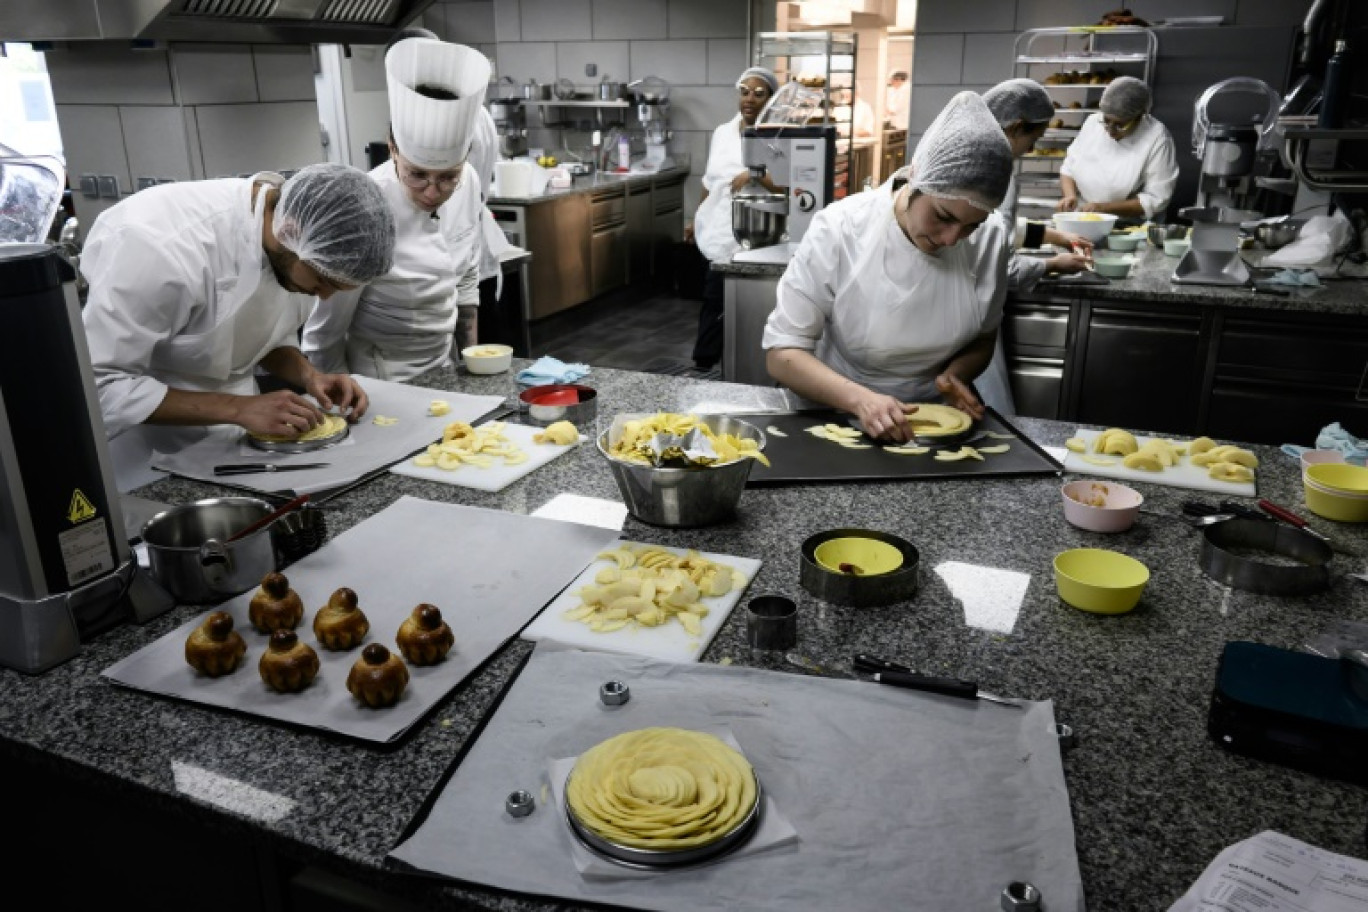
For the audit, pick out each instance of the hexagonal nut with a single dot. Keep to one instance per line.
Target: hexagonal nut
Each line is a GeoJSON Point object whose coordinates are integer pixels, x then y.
{"type": "Point", "coordinates": [520, 803]}
{"type": "Point", "coordinates": [1019, 896]}
{"type": "Point", "coordinates": [614, 693]}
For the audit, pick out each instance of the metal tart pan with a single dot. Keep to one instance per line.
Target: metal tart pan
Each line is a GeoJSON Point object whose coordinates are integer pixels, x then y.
{"type": "Point", "coordinates": [1231, 550]}
{"type": "Point", "coordinates": [871, 591]}
{"type": "Point", "coordinates": [666, 859]}
{"type": "Point", "coordinates": [299, 446]}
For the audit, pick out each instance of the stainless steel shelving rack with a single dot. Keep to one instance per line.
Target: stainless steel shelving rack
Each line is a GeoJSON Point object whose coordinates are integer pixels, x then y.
{"type": "Point", "coordinates": [1049, 53]}
{"type": "Point", "coordinates": [837, 53]}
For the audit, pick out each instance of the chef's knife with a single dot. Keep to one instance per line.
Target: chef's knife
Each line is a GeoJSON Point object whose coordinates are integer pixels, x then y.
{"type": "Point", "coordinates": [895, 675]}
{"type": "Point", "coordinates": [253, 468]}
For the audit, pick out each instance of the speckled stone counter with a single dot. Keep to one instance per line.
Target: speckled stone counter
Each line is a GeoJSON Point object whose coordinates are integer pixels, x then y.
{"type": "Point", "coordinates": [1154, 799]}
{"type": "Point", "coordinates": [599, 180]}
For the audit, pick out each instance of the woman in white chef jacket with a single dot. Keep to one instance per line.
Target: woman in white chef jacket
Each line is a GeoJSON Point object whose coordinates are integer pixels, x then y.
{"type": "Point", "coordinates": [1122, 161]}
{"type": "Point", "coordinates": [409, 320]}
{"type": "Point", "coordinates": [712, 223]}
{"type": "Point", "coordinates": [881, 306]}
{"type": "Point", "coordinates": [194, 285]}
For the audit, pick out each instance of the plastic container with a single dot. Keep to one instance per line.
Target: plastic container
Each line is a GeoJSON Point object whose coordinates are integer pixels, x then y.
{"type": "Point", "coordinates": [1126, 242]}
{"type": "Point", "coordinates": [487, 359]}
{"type": "Point", "coordinates": [1101, 506]}
{"type": "Point", "coordinates": [1100, 581]}
{"type": "Point", "coordinates": [1113, 266]}
{"type": "Point", "coordinates": [1176, 247]}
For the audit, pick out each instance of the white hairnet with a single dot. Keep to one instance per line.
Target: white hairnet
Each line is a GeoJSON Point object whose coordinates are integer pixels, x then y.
{"type": "Point", "coordinates": [963, 155]}
{"type": "Point", "coordinates": [1019, 99]}
{"type": "Point", "coordinates": [765, 75]}
{"type": "Point", "coordinates": [1125, 98]}
{"type": "Point", "coordinates": [334, 218]}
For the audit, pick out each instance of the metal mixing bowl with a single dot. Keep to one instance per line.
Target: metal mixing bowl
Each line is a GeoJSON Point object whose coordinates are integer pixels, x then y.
{"type": "Point", "coordinates": [1276, 234]}
{"type": "Point", "coordinates": [685, 498]}
{"type": "Point", "coordinates": [759, 222]}
{"type": "Point", "coordinates": [1157, 234]}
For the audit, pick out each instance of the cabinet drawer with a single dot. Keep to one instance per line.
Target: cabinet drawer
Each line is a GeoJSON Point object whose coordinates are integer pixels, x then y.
{"type": "Point", "coordinates": [608, 211]}
{"type": "Point", "coordinates": [1037, 326]}
{"type": "Point", "coordinates": [1037, 386]}
{"type": "Point", "coordinates": [1312, 347]}
{"type": "Point", "coordinates": [668, 197]}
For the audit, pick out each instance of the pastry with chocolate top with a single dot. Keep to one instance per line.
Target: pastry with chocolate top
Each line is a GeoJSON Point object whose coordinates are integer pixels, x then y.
{"type": "Point", "coordinates": [289, 664]}
{"type": "Point", "coordinates": [341, 624]}
{"type": "Point", "coordinates": [378, 677]}
{"type": "Point", "coordinates": [214, 647]}
{"type": "Point", "coordinates": [424, 638]}
{"type": "Point", "coordinates": [275, 606]}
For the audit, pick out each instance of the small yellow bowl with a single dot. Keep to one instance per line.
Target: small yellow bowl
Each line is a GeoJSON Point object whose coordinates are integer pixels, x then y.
{"type": "Point", "coordinates": [858, 556]}
{"type": "Point", "coordinates": [1333, 504]}
{"type": "Point", "coordinates": [1341, 477]}
{"type": "Point", "coordinates": [1100, 581]}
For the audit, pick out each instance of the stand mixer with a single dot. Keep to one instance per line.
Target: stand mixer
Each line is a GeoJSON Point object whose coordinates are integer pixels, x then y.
{"type": "Point", "coordinates": [1229, 151]}
{"type": "Point", "coordinates": [510, 121]}
{"type": "Point", "coordinates": [653, 110]}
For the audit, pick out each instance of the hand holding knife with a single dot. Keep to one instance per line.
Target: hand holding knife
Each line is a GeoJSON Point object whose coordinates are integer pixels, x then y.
{"type": "Point", "coordinates": [895, 675]}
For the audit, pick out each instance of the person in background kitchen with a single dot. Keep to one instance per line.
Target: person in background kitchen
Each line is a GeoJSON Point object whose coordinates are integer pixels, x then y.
{"type": "Point", "coordinates": [421, 313]}
{"type": "Point", "coordinates": [711, 228]}
{"type": "Point", "coordinates": [195, 285]}
{"type": "Point", "coordinates": [881, 306]}
{"type": "Point", "coordinates": [898, 100]}
{"type": "Point", "coordinates": [1122, 161]}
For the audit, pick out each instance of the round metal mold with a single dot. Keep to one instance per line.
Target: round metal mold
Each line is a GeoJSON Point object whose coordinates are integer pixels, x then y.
{"type": "Point", "coordinates": [299, 446]}
{"type": "Point", "coordinates": [666, 859]}
{"type": "Point", "coordinates": [552, 402]}
{"type": "Point", "coordinates": [872, 591]}
{"type": "Point", "coordinates": [614, 693]}
{"type": "Point", "coordinates": [1231, 553]}
{"type": "Point", "coordinates": [520, 803]}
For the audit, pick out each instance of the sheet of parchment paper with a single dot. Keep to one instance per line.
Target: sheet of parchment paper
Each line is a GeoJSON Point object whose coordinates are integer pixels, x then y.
{"type": "Point", "coordinates": [365, 449]}
{"type": "Point", "coordinates": [901, 800]}
{"type": "Point", "coordinates": [455, 557]}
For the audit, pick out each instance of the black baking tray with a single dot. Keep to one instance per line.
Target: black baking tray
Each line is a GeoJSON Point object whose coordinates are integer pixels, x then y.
{"type": "Point", "coordinates": [799, 457]}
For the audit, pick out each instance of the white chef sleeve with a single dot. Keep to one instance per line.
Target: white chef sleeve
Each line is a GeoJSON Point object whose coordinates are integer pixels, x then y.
{"type": "Point", "coordinates": [139, 295]}
{"type": "Point", "coordinates": [1160, 176]}
{"type": "Point", "coordinates": [807, 291]}
{"type": "Point", "coordinates": [324, 341]}
{"type": "Point", "coordinates": [1025, 272]}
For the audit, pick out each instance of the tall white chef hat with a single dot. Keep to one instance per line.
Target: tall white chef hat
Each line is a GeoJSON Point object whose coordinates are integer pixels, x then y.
{"type": "Point", "coordinates": [435, 132]}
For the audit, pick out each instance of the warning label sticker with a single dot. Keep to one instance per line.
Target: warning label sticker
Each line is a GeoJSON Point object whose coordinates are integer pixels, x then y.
{"type": "Point", "coordinates": [81, 508]}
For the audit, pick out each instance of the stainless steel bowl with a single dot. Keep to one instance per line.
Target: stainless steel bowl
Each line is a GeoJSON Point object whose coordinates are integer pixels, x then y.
{"type": "Point", "coordinates": [190, 556]}
{"type": "Point", "coordinates": [573, 402]}
{"type": "Point", "coordinates": [1157, 234]}
{"type": "Point", "coordinates": [685, 498]}
{"type": "Point", "coordinates": [759, 222]}
{"type": "Point", "coordinates": [1275, 235]}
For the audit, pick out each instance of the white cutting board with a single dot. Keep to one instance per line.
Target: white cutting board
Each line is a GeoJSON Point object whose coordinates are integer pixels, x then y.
{"type": "Point", "coordinates": [496, 477]}
{"type": "Point", "coordinates": [670, 641]}
{"type": "Point", "coordinates": [1183, 475]}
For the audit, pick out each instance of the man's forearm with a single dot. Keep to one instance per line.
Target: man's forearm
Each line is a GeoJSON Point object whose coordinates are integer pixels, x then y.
{"type": "Point", "coordinates": [289, 364]}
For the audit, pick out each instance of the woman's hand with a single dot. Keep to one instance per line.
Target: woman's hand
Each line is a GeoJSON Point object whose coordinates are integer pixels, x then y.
{"type": "Point", "coordinates": [1067, 263]}
{"type": "Point", "coordinates": [1093, 207]}
{"type": "Point", "coordinates": [883, 417]}
{"type": "Point", "coordinates": [339, 391]}
{"type": "Point", "coordinates": [959, 394]}
{"type": "Point", "coordinates": [1075, 242]}
{"type": "Point", "coordinates": [1066, 203]}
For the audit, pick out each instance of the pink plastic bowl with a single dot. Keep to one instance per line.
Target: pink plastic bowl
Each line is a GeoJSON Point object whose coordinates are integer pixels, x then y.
{"type": "Point", "coordinates": [1101, 506]}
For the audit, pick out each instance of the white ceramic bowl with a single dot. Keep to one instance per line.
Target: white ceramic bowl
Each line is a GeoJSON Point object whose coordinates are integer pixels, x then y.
{"type": "Point", "coordinates": [1176, 247]}
{"type": "Point", "coordinates": [1126, 242]}
{"type": "Point", "coordinates": [1113, 265]}
{"type": "Point", "coordinates": [1101, 506]}
{"type": "Point", "coordinates": [1095, 226]}
{"type": "Point", "coordinates": [487, 359]}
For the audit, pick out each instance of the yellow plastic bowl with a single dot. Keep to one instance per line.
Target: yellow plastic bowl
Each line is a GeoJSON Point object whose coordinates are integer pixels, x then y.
{"type": "Point", "coordinates": [869, 555]}
{"type": "Point", "coordinates": [1340, 477]}
{"type": "Point", "coordinates": [1100, 581]}
{"type": "Point", "coordinates": [1332, 504]}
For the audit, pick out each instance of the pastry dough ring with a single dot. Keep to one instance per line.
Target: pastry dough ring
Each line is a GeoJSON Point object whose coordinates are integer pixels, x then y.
{"type": "Point", "coordinates": [331, 426]}
{"type": "Point", "coordinates": [662, 788]}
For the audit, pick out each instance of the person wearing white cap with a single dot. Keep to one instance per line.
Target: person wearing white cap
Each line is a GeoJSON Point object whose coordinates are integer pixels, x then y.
{"type": "Point", "coordinates": [195, 285]}
{"type": "Point", "coordinates": [409, 320]}
{"type": "Point", "coordinates": [1122, 161]}
{"type": "Point", "coordinates": [882, 307]}
{"type": "Point", "coordinates": [711, 228]}
{"type": "Point", "coordinates": [898, 100]}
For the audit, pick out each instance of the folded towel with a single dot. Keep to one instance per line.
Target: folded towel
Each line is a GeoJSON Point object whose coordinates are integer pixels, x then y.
{"type": "Point", "coordinates": [1296, 277]}
{"type": "Point", "coordinates": [547, 369]}
{"type": "Point", "coordinates": [1334, 437]}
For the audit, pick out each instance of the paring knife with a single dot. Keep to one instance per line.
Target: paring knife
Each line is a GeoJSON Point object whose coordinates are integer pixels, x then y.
{"type": "Point", "coordinates": [1292, 519]}
{"type": "Point", "coordinates": [253, 468]}
{"type": "Point", "coordinates": [895, 675]}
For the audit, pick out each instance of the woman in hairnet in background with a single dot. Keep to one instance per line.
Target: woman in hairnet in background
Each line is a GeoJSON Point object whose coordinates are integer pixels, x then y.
{"type": "Point", "coordinates": [1122, 161]}
{"type": "Point", "coordinates": [195, 285]}
{"type": "Point", "coordinates": [882, 307]}
{"type": "Point", "coordinates": [411, 319]}
{"type": "Point", "coordinates": [711, 230]}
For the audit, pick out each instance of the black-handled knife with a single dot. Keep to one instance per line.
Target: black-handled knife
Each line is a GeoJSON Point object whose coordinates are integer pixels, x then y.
{"type": "Point", "coordinates": [253, 468]}
{"type": "Point", "coordinates": [1197, 508]}
{"type": "Point", "coordinates": [895, 675]}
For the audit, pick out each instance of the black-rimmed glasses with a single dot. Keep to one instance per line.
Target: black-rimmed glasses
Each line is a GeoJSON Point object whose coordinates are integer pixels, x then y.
{"type": "Point", "coordinates": [421, 180]}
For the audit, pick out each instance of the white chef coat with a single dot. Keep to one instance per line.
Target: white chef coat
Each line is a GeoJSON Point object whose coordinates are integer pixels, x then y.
{"type": "Point", "coordinates": [898, 103]}
{"type": "Point", "coordinates": [401, 324]}
{"type": "Point", "coordinates": [713, 220]}
{"type": "Point", "coordinates": [1141, 164]}
{"type": "Point", "coordinates": [875, 308]}
{"type": "Point", "coordinates": [484, 152]}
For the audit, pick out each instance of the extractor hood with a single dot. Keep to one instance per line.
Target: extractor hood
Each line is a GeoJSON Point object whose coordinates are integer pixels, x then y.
{"type": "Point", "coordinates": [219, 21]}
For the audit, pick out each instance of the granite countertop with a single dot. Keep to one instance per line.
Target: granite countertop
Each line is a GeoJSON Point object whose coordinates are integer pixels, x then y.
{"type": "Point", "coordinates": [1154, 799]}
{"type": "Point", "coordinates": [1151, 281]}
{"type": "Point", "coordinates": [599, 180]}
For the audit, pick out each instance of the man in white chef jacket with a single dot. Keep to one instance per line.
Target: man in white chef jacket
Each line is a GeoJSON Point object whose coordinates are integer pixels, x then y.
{"type": "Point", "coordinates": [196, 285]}
{"type": "Point", "coordinates": [409, 320]}
{"type": "Point", "coordinates": [898, 100]}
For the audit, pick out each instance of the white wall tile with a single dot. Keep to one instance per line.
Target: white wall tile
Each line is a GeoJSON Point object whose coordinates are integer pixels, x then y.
{"type": "Point", "coordinates": [284, 72]}
{"type": "Point", "coordinates": [155, 142]}
{"type": "Point", "coordinates": [701, 107]}
{"type": "Point", "coordinates": [524, 60]}
{"type": "Point", "coordinates": [214, 74]}
{"type": "Point", "coordinates": [940, 59]}
{"type": "Point", "coordinates": [507, 20]}
{"type": "Point", "coordinates": [611, 58]}
{"type": "Point", "coordinates": [630, 19]}
{"type": "Point", "coordinates": [557, 20]}
{"type": "Point", "coordinates": [728, 58]}
{"type": "Point", "coordinates": [98, 74]}
{"type": "Point", "coordinates": [238, 139]}
{"type": "Point", "coordinates": [92, 138]}
{"type": "Point", "coordinates": [676, 62]}
{"type": "Point", "coordinates": [470, 22]}
{"type": "Point", "coordinates": [988, 58]}
{"type": "Point", "coordinates": [708, 18]}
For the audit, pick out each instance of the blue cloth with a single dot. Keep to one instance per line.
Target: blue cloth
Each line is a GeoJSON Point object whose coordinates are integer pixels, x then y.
{"type": "Point", "coordinates": [1296, 277]}
{"type": "Point", "coordinates": [547, 369]}
{"type": "Point", "coordinates": [1334, 437]}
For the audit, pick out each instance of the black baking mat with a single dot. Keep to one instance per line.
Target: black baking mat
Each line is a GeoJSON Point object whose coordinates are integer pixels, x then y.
{"type": "Point", "coordinates": [798, 456]}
